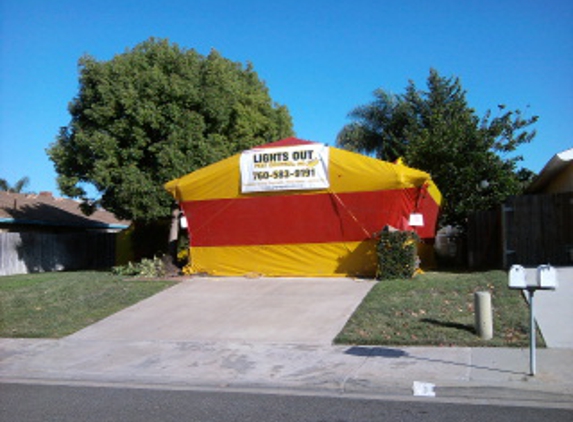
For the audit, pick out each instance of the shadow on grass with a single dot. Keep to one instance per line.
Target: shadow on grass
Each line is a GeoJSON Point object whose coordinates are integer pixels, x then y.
{"type": "Point", "coordinates": [464, 327]}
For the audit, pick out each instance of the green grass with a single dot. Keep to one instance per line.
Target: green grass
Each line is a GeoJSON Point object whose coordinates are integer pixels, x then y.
{"type": "Point", "coordinates": [437, 309]}
{"type": "Point", "coordinates": [433, 309]}
{"type": "Point", "coordinates": [53, 305]}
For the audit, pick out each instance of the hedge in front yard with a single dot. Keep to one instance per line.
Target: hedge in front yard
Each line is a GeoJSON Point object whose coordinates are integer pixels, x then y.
{"type": "Point", "coordinates": [397, 256]}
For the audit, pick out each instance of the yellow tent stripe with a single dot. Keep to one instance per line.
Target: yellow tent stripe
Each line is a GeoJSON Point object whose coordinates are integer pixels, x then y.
{"type": "Point", "coordinates": [309, 260]}
{"type": "Point", "coordinates": [348, 172]}
{"type": "Point", "coordinates": [337, 259]}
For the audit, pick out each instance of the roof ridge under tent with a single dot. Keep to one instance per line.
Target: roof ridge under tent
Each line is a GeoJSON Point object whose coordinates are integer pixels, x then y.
{"type": "Point", "coordinates": [286, 142]}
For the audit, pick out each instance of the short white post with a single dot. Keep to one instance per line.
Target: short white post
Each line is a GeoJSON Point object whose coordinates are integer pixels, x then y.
{"type": "Point", "coordinates": [483, 315]}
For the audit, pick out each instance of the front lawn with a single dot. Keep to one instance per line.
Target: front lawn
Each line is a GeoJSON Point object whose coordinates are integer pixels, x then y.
{"type": "Point", "coordinates": [55, 304]}
{"type": "Point", "coordinates": [433, 309]}
{"type": "Point", "coordinates": [437, 309]}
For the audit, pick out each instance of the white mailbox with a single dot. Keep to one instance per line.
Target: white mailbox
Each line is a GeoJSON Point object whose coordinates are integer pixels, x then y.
{"type": "Point", "coordinates": [517, 279]}
{"type": "Point", "coordinates": [546, 277]}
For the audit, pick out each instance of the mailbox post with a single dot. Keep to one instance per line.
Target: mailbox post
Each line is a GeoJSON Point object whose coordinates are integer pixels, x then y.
{"type": "Point", "coordinates": [546, 279]}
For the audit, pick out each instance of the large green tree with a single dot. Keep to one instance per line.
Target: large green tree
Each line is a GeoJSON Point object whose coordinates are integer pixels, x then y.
{"type": "Point", "coordinates": [154, 113]}
{"type": "Point", "coordinates": [470, 158]}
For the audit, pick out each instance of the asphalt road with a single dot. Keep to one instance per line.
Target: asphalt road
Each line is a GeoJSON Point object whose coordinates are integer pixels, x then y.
{"type": "Point", "coordinates": [31, 403]}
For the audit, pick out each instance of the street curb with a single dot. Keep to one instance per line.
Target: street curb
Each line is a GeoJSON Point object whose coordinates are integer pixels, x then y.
{"type": "Point", "coordinates": [478, 395]}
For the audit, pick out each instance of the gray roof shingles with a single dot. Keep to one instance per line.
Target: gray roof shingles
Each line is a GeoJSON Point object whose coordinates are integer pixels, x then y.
{"type": "Point", "coordinates": [45, 210]}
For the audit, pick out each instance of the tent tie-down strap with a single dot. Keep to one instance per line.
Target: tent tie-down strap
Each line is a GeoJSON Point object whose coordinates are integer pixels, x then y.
{"type": "Point", "coordinates": [350, 213]}
{"type": "Point", "coordinates": [422, 192]}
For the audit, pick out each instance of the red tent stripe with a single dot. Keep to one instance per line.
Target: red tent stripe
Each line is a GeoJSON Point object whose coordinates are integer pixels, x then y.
{"type": "Point", "coordinates": [310, 218]}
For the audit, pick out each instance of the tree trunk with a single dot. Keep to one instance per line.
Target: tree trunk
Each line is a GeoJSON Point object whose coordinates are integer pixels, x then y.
{"type": "Point", "coordinates": [174, 232]}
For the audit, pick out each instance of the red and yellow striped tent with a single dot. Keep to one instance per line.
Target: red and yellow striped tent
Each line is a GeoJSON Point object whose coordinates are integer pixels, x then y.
{"type": "Point", "coordinates": [289, 229]}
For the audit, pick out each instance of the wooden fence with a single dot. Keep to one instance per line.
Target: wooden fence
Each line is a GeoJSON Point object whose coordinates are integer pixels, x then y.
{"type": "Point", "coordinates": [28, 252]}
{"type": "Point", "coordinates": [529, 230]}
{"type": "Point", "coordinates": [484, 240]}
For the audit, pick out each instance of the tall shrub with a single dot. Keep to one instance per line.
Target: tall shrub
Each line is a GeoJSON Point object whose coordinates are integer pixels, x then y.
{"type": "Point", "coordinates": [397, 256]}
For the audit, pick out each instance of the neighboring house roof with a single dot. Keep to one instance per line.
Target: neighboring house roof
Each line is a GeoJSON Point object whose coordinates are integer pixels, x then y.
{"type": "Point", "coordinates": [44, 209]}
{"type": "Point", "coordinates": [556, 176]}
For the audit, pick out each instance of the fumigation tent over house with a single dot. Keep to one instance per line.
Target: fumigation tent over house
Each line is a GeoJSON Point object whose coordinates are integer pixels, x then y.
{"type": "Point", "coordinates": [300, 208]}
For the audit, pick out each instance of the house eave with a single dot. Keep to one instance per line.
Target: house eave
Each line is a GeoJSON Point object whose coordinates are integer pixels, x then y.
{"type": "Point", "coordinates": [29, 222]}
{"type": "Point", "coordinates": [557, 164]}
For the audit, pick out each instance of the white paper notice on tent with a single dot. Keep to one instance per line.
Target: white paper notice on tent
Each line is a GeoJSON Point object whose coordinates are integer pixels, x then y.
{"type": "Point", "coordinates": [416, 220]}
{"type": "Point", "coordinates": [297, 167]}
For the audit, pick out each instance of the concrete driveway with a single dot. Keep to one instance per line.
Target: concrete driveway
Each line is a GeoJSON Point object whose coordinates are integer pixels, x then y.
{"type": "Point", "coordinates": [554, 309]}
{"type": "Point", "coordinates": [269, 310]}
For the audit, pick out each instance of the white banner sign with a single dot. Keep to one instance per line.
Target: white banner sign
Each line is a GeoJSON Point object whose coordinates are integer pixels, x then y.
{"type": "Point", "coordinates": [299, 167]}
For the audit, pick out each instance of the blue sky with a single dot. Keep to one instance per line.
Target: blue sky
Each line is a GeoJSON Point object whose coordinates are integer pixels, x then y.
{"type": "Point", "coordinates": [319, 58]}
